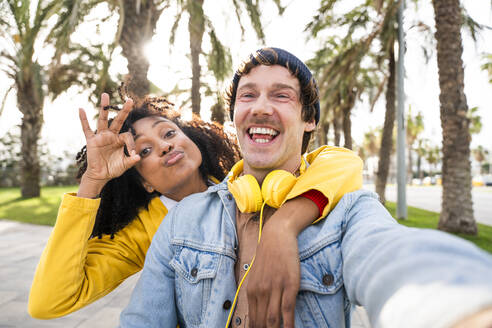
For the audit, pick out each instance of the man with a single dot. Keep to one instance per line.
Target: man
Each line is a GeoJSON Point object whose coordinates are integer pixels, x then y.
{"type": "Point", "coordinates": [356, 255]}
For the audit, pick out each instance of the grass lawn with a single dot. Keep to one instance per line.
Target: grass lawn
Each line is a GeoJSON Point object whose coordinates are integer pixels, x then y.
{"type": "Point", "coordinates": [419, 218]}
{"type": "Point", "coordinates": [41, 210]}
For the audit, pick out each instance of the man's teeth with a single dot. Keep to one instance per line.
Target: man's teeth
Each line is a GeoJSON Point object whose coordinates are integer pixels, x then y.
{"type": "Point", "coordinates": [261, 140]}
{"type": "Point", "coordinates": [258, 130]}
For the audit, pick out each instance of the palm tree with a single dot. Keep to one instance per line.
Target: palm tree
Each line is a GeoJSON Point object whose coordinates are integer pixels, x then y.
{"type": "Point", "coordinates": [136, 27]}
{"type": "Point", "coordinates": [376, 20]}
{"type": "Point", "coordinates": [138, 20]}
{"type": "Point", "coordinates": [87, 67]}
{"type": "Point", "coordinates": [432, 156]}
{"type": "Point", "coordinates": [421, 151]}
{"type": "Point", "coordinates": [388, 126]}
{"type": "Point", "coordinates": [457, 210]}
{"type": "Point", "coordinates": [480, 154]}
{"type": "Point", "coordinates": [21, 28]}
{"type": "Point", "coordinates": [415, 126]}
{"type": "Point", "coordinates": [219, 59]}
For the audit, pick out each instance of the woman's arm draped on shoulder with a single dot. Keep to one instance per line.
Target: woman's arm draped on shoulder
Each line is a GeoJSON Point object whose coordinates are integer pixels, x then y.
{"type": "Point", "coordinates": [333, 171]}
{"type": "Point", "coordinates": [74, 270]}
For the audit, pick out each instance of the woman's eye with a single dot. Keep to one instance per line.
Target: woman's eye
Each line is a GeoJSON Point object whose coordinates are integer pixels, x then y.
{"type": "Point", "coordinates": [144, 152]}
{"type": "Point", "coordinates": [170, 133]}
{"type": "Point", "coordinates": [282, 95]}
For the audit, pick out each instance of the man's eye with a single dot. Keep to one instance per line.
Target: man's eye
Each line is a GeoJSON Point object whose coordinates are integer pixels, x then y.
{"type": "Point", "coordinates": [144, 152]}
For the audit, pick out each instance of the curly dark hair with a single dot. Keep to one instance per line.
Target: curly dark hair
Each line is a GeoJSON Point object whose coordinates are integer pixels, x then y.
{"type": "Point", "coordinates": [123, 197]}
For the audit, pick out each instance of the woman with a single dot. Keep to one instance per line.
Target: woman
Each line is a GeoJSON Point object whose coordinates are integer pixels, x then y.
{"type": "Point", "coordinates": [98, 242]}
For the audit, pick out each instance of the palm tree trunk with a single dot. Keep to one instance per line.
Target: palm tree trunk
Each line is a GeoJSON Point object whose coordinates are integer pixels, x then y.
{"type": "Point", "coordinates": [336, 129]}
{"type": "Point", "coordinates": [457, 209]}
{"type": "Point", "coordinates": [389, 122]}
{"type": "Point", "coordinates": [218, 113]}
{"type": "Point", "coordinates": [137, 30]}
{"type": "Point", "coordinates": [347, 128]}
{"type": "Point", "coordinates": [419, 167]}
{"type": "Point", "coordinates": [30, 103]}
{"type": "Point", "coordinates": [196, 27]}
{"type": "Point", "coordinates": [323, 133]}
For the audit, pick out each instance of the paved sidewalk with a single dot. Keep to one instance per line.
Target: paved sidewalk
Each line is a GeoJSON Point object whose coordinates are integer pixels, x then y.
{"type": "Point", "coordinates": [20, 248]}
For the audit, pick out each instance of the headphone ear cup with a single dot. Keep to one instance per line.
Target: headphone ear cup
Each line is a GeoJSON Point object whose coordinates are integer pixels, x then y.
{"type": "Point", "coordinates": [276, 187]}
{"type": "Point", "coordinates": [247, 193]}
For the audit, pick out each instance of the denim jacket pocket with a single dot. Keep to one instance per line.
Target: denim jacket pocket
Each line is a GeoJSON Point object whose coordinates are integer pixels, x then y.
{"type": "Point", "coordinates": [195, 271]}
{"type": "Point", "coordinates": [320, 291]}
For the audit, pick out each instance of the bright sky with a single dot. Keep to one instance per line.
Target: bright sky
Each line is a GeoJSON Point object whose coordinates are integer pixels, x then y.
{"type": "Point", "coordinates": [62, 128]}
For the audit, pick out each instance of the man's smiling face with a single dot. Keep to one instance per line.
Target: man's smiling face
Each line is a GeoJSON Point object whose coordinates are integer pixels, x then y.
{"type": "Point", "coordinates": [267, 116]}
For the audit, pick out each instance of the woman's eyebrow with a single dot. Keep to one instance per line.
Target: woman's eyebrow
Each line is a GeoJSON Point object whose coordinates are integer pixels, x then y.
{"type": "Point", "coordinates": [153, 126]}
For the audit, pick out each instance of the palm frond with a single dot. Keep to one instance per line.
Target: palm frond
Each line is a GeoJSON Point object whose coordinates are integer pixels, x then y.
{"type": "Point", "coordinates": [4, 99]}
{"type": "Point", "coordinates": [219, 59]}
{"type": "Point", "coordinates": [471, 25]}
{"type": "Point", "coordinates": [237, 10]}
{"type": "Point", "coordinates": [172, 37]}
{"type": "Point", "coordinates": [254, 16]}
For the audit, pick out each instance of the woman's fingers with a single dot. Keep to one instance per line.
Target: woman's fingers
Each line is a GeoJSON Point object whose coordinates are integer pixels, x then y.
{"type": "Point", "coordinates": [85, 124]}
{"type": "Point", "coordinates": [132, 158]}
{"type": "Point", "coordinates": [102, 121]}
{"type": "Point", "coordinates": [121, 117]}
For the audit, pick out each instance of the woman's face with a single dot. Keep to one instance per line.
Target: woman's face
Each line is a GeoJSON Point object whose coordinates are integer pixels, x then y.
{"type": "Point", "coordinates": [169, 159]}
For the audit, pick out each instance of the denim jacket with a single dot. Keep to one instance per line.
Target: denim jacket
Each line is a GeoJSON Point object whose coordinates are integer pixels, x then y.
{"type": "Point", "coordinates": [357, 255]}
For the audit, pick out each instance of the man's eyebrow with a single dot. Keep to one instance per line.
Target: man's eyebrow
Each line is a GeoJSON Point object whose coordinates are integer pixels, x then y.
{"type": "Point", "coordinates": [249, 85]}
{"type": "Point", "coordinates": [275, 86]}
{"type": "Point", "coordinates": [163, 120]}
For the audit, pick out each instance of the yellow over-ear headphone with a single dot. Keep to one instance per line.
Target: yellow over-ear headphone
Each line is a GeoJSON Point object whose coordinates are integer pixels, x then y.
{"type": "Point", "coordinates": [251, 198]}
{"type": "Point", "coordinates": [248, 194]}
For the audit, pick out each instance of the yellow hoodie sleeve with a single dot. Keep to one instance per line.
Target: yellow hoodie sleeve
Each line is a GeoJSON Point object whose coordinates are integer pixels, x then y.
{"type": "Point", "coordinates": [74, 270]}
{"type": "Point", "coordinates": [333, 171]}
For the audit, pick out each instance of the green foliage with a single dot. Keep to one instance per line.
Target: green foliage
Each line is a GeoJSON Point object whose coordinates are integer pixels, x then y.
{"type": "Point", "coordinates": [471, 25]}
{"type": "Point", "coordinates": [88, 68]}
{"type": "Point", "coordinates": [419, 218]}
{"type": "Point", "coordinates": [487, 66]}
{"type": "Point", "coordinates": [348, 67]}
{"type": "Point", "coordinates": [475, 120]}
{"type": "Point", "coordinates": [415, 126]}
{"type": "Point", "coordinates": [70, 15]}
{"type": "Point", "coordinates": [54, 170]}
{"type": "Point", "coordinates": [219, 59]}
{"type": "Point", "coordinates": [254, 15]}
{"type": "Point", "coordinates": [10, 158]}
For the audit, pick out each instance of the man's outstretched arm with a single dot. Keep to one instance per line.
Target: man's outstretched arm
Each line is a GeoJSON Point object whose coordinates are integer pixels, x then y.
{"type": "Point", "coordinates": [407, 277]}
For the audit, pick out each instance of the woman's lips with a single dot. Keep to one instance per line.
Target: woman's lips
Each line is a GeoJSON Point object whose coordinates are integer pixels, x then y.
{"type": "Point", "coordinates": [173, 158]}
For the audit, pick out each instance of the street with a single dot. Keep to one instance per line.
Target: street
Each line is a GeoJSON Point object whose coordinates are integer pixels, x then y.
{"type": "Point", "coordinates": [429, 198]}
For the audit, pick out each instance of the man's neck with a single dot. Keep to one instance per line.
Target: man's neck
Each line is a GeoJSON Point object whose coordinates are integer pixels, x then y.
{"type": "Point", "coordinates": [260, 173]}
